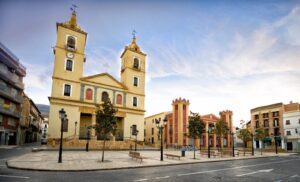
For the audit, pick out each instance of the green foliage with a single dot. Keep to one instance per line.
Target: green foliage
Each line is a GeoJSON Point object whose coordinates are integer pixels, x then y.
{"type": "Point", "coordinates": [260, 133]}
{"type": "Point", "coordinates": [245, 135]}
{"type": "Point", "coordinates": [221, 128]}
{"type": "Point", "coordinates": [105, 119]}
{"type": "Point", "coordinates": [196, 126]}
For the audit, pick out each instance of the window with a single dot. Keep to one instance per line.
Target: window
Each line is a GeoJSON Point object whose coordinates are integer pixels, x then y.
{"type": "Point", "coordinates": [296, 130]}
{"type": "Point", "coordinates": [257, 124]}
{"type": "Point", "coordinates": [135, 81]}
{"type": "Point", "coordinates": [71, 43]}
{"type": "Point", "coordinates": [67, 90]}
{"type": "Point", "coordinates": [152, 131]}
{"type": "Point", "coordinates": [275, 114]}
{"type": "Point", "coordinates": [265, 115]}
{"type": "Point", "coordinates": [136, 63]}
{"type": "Point", "coordinates": [104, 96]}
{"type": "Point", "coordinates": [88, 94]}
{"type": "Point", "coordinates": [288, 132]}
{"type": "Point", "coordinates": [69, 65]}
{"type": "Point", "coordinates": [275, 122]}
{"type": "Point", "coordinates": [287, 122]}
{"type": "Point", "coordinates": [256, 117]}
{"type": "Point", "coordinates": [266, 123]}
{"type": "Point", "coordinates": [119, 99]}
{"type": "Point", "coordinates": [134, 130]}
{"type": "Point", "coordinates": [134, 101]}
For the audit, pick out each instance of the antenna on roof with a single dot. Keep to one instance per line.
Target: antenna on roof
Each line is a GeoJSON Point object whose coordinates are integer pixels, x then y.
{"type": "Point", "coordinates": [134, 33]}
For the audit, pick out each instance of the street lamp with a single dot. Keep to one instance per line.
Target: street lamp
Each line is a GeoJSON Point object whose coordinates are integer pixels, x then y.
{"type": "Point", "coordinates": [136, 134]}
{"type": "Point", "coordinates": [209, 131]}
{"type": "Point", "coordinates": [75, 128]}
{"type": "Point", "coordinates": [63, 117]}
{"type": "Point", "coordinates": [160, 129]}
{"type": "Point", "coordinates": [275, 138]}
{"type": "Point", "coordinates": [252, 144]}
{"type": "Point", "coordinates": [233, 155]}
{"type": "Point", "coordinates": [88, 135]}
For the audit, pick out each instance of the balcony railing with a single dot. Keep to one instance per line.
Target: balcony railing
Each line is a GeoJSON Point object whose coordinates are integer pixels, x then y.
{"type": "Point", "coordinates": [4, 91]}
{"type": "Point", "coordinates": [10, 77]}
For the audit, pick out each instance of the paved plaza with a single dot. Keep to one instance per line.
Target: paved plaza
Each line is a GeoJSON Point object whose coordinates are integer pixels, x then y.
{"type": "Point", "coordinates": [85, 161]}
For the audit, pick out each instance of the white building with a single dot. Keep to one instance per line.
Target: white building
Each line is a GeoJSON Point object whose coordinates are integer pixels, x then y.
{"type": "Point", "coordinates": [291, 125]}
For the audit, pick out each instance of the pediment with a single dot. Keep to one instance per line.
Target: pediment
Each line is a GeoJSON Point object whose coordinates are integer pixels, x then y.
{"type": "Point", "coordinates": [104, 79]}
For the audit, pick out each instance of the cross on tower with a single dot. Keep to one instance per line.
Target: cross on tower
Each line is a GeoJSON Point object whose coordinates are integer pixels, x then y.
{"type": "Point", "coordinates": [133, 33]}
{"type": "Point", "coordinates": [73, 8]}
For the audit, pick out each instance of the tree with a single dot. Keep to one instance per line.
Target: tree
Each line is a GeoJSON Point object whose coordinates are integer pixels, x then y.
{"type": "Point", "coordinates": [195, 128]}
{"type": "Point", "coordinates": [260, 134]}
{"type": "Point", "coordinates": [221, 130]}
{"type": "Point", "coordinates": [245, 135]}
{"type": "Point", "coordinates": [105, 121]}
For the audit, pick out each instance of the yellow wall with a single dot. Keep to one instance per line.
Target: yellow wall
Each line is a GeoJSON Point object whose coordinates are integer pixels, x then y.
{"type": "Point", "coordinates": [149, 124]}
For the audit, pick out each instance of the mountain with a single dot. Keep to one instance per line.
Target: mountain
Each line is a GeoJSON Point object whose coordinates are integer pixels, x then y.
{"type": "Point", "coordinates": [43, 108]}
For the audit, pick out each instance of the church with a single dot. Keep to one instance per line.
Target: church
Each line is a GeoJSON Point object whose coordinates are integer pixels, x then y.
{"type": "Point", "coordinates": [78, 95]}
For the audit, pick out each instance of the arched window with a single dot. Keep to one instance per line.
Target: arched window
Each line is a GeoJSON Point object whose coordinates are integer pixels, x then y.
{"type": "Point", "coordinates": [136, 63]}
{"type": "Point", "coordinates": [69, 65]}
{"type": "Point", "coordinates": [104, 96]}
{"type": "Point", "coordinates": [88, 94]}
{"type": "Point", "coordinates": [119, 99]}
{"type": "Point", "coordinates": [71, 42]}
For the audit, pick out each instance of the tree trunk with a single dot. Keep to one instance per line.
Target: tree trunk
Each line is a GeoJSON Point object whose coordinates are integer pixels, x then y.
{"type": "Point", "coordinates": [103, 149]}
{"type": "Point", "coordinates": [194, 148]}
{"type": "Point", "coordinates": [221, 138]}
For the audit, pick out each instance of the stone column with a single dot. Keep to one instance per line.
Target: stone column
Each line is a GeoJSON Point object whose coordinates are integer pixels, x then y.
{"type": "Point", "coordinates": [206, 136]}
{"type": "Point", "coordinates": [215, 140]}
{"type": "Point", "coordinates": [260, 144]}
{"type": "Point", "coordinates": [282, 144]}
{"type": "Point", "coordinates": [254, 143]}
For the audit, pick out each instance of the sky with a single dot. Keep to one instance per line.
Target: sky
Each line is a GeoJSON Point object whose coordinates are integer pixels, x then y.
{"type": "Point", "coordinates": [221, 55]}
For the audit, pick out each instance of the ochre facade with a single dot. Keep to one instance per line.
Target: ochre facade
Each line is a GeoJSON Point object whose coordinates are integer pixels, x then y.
{"type": "Point", "coordinates": [79, 95]}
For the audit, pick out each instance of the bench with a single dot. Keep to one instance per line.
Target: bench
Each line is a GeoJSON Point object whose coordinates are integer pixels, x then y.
{"type": "Point", "coordinates": [212, 153]}
{"type": "Point", "coordinates": [173, 156]}
{"type": "Point", "coordinates": [136, 155]}
{"type": "Point", "coordinates": [245, 153]}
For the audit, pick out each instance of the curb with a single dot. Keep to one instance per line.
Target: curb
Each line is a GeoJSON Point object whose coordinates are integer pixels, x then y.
{"type": "Point", "coordinates": [130, 167]}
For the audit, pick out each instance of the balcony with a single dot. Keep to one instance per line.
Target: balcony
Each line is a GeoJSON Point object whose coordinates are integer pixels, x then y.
{"type": "Point", "coordinates": [10, 112]}
{"type": "Point", "coordinates": [5, 92]}
{"type": "Point", "coordinates": [10, 77]}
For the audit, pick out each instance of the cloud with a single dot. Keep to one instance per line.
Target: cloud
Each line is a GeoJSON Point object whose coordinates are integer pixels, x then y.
{"type": "Point", "coordinates": [256, 69]}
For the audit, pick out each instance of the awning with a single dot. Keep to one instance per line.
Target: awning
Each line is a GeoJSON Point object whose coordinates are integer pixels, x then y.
{"type": "Point", "coordinates": [267, 139]}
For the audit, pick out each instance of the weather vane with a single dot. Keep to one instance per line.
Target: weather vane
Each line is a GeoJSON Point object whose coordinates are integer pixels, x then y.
{"type": "Point", "coordinates": [73, 8]}
{"type": "Point", "coordinates": [133, 33]}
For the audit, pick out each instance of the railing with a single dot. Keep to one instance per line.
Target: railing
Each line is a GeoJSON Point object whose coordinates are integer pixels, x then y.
{"type": "Point", "coordinates": [9, 112]}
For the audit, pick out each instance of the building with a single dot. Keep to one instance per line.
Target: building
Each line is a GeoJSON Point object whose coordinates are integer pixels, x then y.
{"type": "Point", "coordinates": [270, 118]}
{"type": "Point", "coordinates": [151, 133]}
{"type": "Point", "coordinates": [291, 126]}
{"type": "Point", "coordinates": [78, 95]}
{"type": "Point", "coordinates": [176, 132]}
{"type": "Point", "coordinates": [30, 122]}
{"type": "Point", "coordinates": [11, 89]}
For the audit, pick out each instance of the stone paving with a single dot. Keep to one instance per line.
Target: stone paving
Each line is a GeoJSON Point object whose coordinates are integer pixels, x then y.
{"type": "Point", "coordinates": [85, 161]}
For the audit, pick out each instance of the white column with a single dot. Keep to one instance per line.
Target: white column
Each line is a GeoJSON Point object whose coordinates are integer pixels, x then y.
{"type": "Point", "coordinates": [260, 144]}
{"type": "Point", "coordinates": [282, 143]}
{"type": "Point", "coordinates": [254, 143]}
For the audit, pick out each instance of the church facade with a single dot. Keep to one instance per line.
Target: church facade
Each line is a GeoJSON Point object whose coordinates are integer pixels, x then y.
{"type": "Point", "coordinates": [78, 95]}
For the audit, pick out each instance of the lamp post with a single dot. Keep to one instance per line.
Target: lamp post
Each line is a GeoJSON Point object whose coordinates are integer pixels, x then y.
{"type": "Point", "coordinates": [275, 138]}
{"type": "Point", "coordinates": [136, 134]}
{"type": "Point", "coordinates": [210, 128]}
{"type": "Point", "coordinates": [252, 144]}
{"type": "Point", "coordinates": [75, 128]}
{"type": "Point", "coordinates": [88, 135]}
{"type": "Point", "coordinates": [233, 155]}
{"type": "Point", "coordinates": [62, 116]}
{"type": "Point", "coordinates": [160, 129]}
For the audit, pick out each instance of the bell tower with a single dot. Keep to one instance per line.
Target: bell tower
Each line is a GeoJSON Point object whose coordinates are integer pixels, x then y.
{"type": "Point", "coordinates": [69, 56]}
{"type": "Point", "coordinates": [133, 67]}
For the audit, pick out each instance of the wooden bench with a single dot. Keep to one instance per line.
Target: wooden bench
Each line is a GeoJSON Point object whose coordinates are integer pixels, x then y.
{"type": "Point", "coordinates": [136, 155]}
{"type": "Point", "coordinates": [212, 153]}
{"type": "Point", "coordinates": [173, 156]}
{"type": "Point", "coordinates": [245, 153]}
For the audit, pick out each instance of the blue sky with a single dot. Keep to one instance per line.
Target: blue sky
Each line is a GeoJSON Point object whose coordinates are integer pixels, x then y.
{"type": "Point", "coordinates": [220, 55]}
